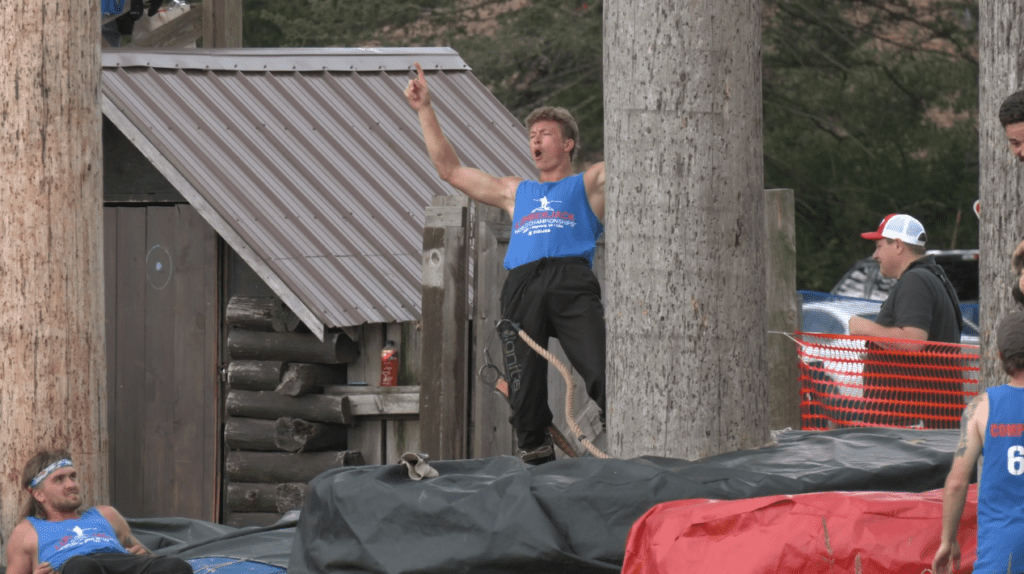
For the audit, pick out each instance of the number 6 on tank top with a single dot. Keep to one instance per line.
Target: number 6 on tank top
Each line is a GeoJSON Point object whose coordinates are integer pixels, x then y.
{"type": "Point", "coordinates": [1015, 460]}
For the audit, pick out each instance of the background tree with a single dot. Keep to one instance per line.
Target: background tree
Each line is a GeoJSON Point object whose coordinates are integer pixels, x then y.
{"type": "Point", "coordinates": [528, 53]}
{"type": "Point", "coordinates": [869, 105]}
{"type": "Point", "coordinates": [685, 264]}
{"type": "Point", "coordinates": [1002, 177]}
{"type": "Point", "coordinates": [52, 362]}
{"type": "Point", "coordinates": [870, 108]}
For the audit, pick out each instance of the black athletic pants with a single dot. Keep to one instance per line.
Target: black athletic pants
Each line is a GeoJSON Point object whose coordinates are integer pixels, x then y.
{"type": "Point", "coordinates": [116, 563]}
{"type": "Point", "coordinates": [554, 298]}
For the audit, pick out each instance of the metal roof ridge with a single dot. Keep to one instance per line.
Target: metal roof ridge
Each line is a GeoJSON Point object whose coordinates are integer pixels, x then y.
{"type": "Point", "coordinates": [288, 59]}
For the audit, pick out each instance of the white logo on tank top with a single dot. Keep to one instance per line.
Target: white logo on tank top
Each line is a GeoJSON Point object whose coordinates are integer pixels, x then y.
{"type": "Point", "coordinates": [545, 205]}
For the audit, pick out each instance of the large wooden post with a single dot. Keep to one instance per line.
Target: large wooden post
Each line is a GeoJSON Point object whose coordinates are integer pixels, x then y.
{"type": "Point", "coordinates": [687, 359]}
{"type": "Point", "coordinates": [443, 388]}
{"type": "Point", "coordinates": [222, 24]}
{"type": "Point", "coordinates": [52, 360]}
{"type": "Point", "coordinates": [783, 309]}
{"type": "Point", "coordinates": [1001, 176]}
{"type": "Point", "coordinates": [491, 435]}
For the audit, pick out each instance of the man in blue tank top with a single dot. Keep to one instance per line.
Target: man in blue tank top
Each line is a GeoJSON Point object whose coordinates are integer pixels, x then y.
{"type": "Point", "coordinates": [56, 536]}
{"type": "Point", "coordinates": [992, 427]}
{"type": "Point", "coordinates": [551, 290]}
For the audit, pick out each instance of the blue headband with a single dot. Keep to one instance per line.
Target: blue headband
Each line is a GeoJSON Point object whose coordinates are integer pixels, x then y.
{"type": "Point", "coordinates": [46, 471]}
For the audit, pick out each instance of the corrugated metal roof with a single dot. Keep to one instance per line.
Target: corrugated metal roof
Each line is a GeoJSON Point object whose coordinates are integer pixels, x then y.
{"type": "Point", "coordinates": [310, 163]}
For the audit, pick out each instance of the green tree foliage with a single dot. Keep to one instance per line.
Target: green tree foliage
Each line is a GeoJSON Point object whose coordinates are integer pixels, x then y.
{"type": "Point", "coordinates": [869, 105]}
{"type": "Point", "coordinates": [870, 109]}
{"type": "Point", "coordinates": [539, 53]}
{"type": "Point", "coordinates": [316, 23]}
{"type": "Point", "coordinates": [546, 54]}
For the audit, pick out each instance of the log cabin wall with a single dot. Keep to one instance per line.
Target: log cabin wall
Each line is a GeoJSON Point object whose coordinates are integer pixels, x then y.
{"type": "Point", "coordinates": [297, 406]}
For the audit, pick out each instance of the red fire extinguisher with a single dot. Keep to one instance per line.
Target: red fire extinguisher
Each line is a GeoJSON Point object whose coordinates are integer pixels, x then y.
{"type": "Point", "coordinates": [389, 365]}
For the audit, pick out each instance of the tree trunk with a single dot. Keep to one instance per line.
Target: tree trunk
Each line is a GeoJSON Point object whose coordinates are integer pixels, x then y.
{"type": "Point", "coordinates": [1001, 72]}
{"type": "Point", "coordinates": [251, 497]}
{"type": "Point", "coordinates": [52, 361]}
{"type": "Point", "coordinates": [242, 433]}
{"type": "Point", "coordinates": [278, 467]}
{"type": "Point", "coordinates": [297, 435]}
{"type": "Point", "coordinates": [254, 375]}
{"type": "Point", "coordinates": [260, 314]}
{"type": "Point", "coordinates": [303, 378]}
{"type": "Point", "coordinates": [290, 496]}
{"type": "Point", "coordinates": [268, 405]}
{"type": "Point", "coordinates": [336, 348]}
{"type": "Point", "coordinates": [687, 365]}
{"type": "Point", "coordinates": [265, 497]}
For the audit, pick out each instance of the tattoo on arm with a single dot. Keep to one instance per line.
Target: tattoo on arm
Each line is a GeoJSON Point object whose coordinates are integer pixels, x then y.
{"type": "Point", "coordinates": [965, 426]}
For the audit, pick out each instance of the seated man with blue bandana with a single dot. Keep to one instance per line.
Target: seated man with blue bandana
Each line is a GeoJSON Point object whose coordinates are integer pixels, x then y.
{"type": "Point", "coordinates": [57, 536]}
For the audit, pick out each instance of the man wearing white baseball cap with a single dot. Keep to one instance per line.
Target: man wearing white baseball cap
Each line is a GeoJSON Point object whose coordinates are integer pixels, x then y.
{"type": "Point", "coordinates": [921, 306]}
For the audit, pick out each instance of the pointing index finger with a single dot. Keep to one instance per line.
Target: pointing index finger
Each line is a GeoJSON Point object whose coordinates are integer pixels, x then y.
{"type": "Point", "coordinates": [419, 71]}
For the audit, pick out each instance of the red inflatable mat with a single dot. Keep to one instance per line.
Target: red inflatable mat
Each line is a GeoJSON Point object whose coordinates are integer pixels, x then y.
{"type": "Point", "coordinates": [825, 532]}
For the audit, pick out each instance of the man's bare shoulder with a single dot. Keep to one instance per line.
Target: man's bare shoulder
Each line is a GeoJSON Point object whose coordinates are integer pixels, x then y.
{"type": "Point", "coordinates": [22, 548]}
{"type": "Point", "coordinates": [109, 512]}
{"type": "Point", "coordinates": [976, 413]}
{"type": "Point", "coordinates": [24, 538]}
{"type": "Point", "coordinates": [511, 183]}
{"type": "Point", "coordinates": [977, 408]}
{"type": "Point", "coordinates": [594, 174]}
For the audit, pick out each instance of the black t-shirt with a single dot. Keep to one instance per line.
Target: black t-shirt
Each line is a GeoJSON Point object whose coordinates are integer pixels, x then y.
{"type": "Point", "coordinates": [920, 299]}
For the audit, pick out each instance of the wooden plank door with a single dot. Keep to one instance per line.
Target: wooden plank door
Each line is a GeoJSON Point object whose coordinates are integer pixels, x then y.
{"type": "Point", "coordinates": [162, 340]}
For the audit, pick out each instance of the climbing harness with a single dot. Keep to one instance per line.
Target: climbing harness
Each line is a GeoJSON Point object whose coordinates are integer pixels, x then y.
{"type": "Point", "coordinates": [506, 382]}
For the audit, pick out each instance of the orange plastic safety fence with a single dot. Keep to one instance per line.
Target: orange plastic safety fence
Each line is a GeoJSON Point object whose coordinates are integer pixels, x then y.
{"type": "Point", "coordinates": [868, 382]}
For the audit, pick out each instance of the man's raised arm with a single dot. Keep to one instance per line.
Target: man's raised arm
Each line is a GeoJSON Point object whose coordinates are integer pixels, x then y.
{"type": "Point", "coordinates": [481, 186]}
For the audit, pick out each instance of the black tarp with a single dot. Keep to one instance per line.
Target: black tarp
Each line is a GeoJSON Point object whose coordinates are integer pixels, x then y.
{"type": "Point", "coordinates": [498, 515]}
{"type": "Point", "coordinates": [187, 539]}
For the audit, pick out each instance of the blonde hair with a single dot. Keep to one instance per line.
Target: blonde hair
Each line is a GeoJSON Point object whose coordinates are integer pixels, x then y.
{"type": "Point", "coordinates": [561, 116]}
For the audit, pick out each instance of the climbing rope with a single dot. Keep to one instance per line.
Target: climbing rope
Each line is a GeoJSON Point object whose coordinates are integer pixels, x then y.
{"type": "Point", "coordinates": [570, 389]}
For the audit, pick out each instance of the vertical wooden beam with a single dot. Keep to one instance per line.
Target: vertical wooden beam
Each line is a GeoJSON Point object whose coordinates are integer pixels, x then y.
{"type": "Point", "coordinates": [126, 400]}
{"type": "Point", "coordinates": [491, 433]}
{"type": "Point", "coordinates": [780, 271]}
{"type": "Point", "coordinates": [222, 24]}
{"type": "Point", "coordinates": [443, 392]}
{"type": "Point", "coordinates": [110, 303]}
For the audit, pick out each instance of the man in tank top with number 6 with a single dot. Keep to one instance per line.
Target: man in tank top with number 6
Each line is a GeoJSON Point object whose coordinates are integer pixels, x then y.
{"type": "Point", "coordinates": [56, 536]}
{"type": "Point", "coordinates": [551, 289]}
{"type": "Point", "coordinates": [992, 428]}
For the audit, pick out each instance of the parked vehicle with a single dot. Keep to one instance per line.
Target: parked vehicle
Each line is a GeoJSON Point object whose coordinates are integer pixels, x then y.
{"type": "Point", "coordinates": [837, 367]}
{"type": "Point", "coordinates": [864, 281]}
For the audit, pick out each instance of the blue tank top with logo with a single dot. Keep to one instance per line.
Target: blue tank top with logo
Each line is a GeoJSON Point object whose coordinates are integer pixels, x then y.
{"type": "Point", "coordinates": [552, 219]}
{"type": "Point", "coordinates": [62, 540]}
{"type": "Point", "coordinates": [1001, 491]}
